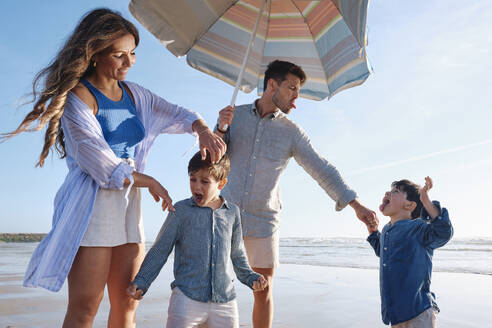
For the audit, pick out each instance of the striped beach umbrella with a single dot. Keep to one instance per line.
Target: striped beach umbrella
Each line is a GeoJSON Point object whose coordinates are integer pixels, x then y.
{"type": "Point", "coordinates": [234, 40]}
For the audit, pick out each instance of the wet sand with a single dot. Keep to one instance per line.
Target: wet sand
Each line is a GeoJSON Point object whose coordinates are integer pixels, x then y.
{"type": "Point", "coordinates": [305, 296]}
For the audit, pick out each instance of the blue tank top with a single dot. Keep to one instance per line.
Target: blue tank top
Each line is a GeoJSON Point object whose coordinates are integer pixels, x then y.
{"type": "Point", "coordinates": [120, 125]}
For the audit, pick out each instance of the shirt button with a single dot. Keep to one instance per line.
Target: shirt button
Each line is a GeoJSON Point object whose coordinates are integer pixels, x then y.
{"type": "Point", "coordinates": [250, 175]}
{"type": "Point", "coordinates": [257, 140]}
{"type": "Point", "coordinates": [386, 248]}
{"type": "Point", "coordinates": [384, 264]}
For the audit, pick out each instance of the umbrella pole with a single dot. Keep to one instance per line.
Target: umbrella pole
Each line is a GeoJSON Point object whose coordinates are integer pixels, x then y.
{"type": "Point", "coordinates": [245, 59]}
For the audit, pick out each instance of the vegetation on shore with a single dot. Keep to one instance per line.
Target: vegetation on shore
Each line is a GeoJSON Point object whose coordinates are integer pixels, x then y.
{"type": "Point", "coordinates": [21, 237]}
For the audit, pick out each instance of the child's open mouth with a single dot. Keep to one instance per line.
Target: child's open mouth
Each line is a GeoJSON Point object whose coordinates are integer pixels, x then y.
{"type": "Point", "coordinates": [383, 205]}
{"type": "Point", "coordinates": [198, 197]}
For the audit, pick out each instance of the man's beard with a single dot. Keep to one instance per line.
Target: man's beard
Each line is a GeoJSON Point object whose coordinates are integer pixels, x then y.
{"type": "Point", "coordinates": [284, 108]}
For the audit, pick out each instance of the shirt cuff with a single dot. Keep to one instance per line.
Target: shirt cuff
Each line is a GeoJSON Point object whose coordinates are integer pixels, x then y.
{"type": "Point", "coordinates": [423, 212]}
{"type": "Point", "coordinates": [121, 172]}
{"type": "Point", "coordinates": [188, 122]}
{"type": "Point", "coordinates": [373, 235]}
{"type": "Point", "coordinates": [347, 197]}
{"type": "Point", "coordinates": [141, 284]}
{"type": "Point", "coordinates": [252, 278]}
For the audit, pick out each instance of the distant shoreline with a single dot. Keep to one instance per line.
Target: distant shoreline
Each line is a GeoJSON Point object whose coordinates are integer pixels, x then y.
{"type": "Point", "coordinates": [21, 237]}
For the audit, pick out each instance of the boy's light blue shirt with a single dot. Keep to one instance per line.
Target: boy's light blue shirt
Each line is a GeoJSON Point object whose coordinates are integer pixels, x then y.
{"type": "Point", "coordinates": [205, 243]}
{"type": "Point", "coordinates": [405, 250]}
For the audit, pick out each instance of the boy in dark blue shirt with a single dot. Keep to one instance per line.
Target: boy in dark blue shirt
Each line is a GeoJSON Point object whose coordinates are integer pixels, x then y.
{"type": "Point", "coordinates": [405, 248]}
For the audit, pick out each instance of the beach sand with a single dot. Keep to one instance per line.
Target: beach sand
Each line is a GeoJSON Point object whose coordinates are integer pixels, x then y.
{"type": "Point", "coordinates": [305, 296]}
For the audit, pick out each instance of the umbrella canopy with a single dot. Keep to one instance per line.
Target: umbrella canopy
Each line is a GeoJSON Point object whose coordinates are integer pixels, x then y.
{"type": "Point", "coordinates": [327, 38]}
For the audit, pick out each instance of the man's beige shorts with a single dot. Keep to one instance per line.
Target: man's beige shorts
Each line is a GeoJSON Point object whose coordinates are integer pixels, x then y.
{"type": "Point", "coordinates": [263, 252]}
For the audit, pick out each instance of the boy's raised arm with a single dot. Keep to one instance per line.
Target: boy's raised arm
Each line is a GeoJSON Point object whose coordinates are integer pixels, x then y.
{"type": "Point", "coordinates": [439, 231]}
{"type": "Point", "coordinates": [432, 209]}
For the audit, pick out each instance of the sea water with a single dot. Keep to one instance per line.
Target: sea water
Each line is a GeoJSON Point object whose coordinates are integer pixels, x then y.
{"type": "Point", "coordinates": [470, 255]}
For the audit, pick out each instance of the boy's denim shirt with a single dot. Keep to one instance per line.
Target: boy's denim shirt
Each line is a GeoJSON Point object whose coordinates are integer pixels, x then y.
{"type": "Point", "coordinates": [205, 242]}
{"type": "Point", "coordinates": [405, 250]}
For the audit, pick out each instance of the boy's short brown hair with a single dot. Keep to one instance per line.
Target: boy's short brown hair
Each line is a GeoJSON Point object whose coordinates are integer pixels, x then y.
{"type": "Point", "coordinates": [412, 190]}
{"type": "Point", "coordinates": [218, 170]}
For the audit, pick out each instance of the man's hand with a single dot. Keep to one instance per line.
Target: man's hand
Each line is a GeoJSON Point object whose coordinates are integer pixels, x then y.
{"type": "Point", "coordinates": [134, 292]}
{"type": "Point", "coordinates": [225, 118]}
{"type": "Point", "coordinates": [260, 284]}
{"type": "Point", "coordinates": [363, 213]}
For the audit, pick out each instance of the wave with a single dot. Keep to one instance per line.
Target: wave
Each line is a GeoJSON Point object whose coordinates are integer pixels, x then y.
{"type": "Point", "coordinates": [371, 267]}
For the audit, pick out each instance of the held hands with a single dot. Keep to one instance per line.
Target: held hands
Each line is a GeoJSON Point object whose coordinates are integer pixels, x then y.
{"type": "Point", "coordinates": [364, 214]}
{"type": "Point", "coordinates": [260, 284]}
{"type": "Point", "coordinates": [225, 118]}
{"type": "Point", "coordinates": [134, 292]}
{"type": "Point", "coordinates": [373, 227]}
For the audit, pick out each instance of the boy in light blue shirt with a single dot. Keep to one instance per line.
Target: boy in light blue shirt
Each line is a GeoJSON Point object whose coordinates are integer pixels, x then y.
{"type": "Point", "coordinates": [205, 231]}
{"type": "Point", "coordinates": [405, 248]}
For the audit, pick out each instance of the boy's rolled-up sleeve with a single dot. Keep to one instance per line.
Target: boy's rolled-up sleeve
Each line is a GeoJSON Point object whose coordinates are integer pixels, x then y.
{"type": "Point", "coordinates": [438, 231]}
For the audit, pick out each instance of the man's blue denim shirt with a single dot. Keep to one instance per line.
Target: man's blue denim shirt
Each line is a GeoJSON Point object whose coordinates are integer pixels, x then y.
{"type": "Point", "coordinates": [405, 250]}
{"type": "Point", "coordinates": [205, 242]}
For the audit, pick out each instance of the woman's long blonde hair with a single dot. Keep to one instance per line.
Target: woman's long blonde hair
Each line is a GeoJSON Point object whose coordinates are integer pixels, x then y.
{"type": "Point", "coordinates": [97, 30]}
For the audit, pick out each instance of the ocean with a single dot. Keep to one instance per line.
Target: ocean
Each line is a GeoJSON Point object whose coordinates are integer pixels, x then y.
{"type": "Point", "coordinates": [470, 255]}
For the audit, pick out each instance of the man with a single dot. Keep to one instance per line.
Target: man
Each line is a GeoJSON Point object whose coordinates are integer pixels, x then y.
{"type": "Point", "coordinates": [260, 142]}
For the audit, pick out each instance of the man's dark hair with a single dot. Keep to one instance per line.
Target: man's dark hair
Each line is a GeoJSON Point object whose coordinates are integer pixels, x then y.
{"type": "Point", "coordinates": [412, 190]}
{"type": "Point", "coordinates": [219, 170]}
{"type": "Point", "coordinates": [278, 71]}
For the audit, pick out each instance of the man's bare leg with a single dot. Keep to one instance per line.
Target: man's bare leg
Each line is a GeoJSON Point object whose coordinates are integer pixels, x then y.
{"type": "Point", "coordinates": [263, 306]}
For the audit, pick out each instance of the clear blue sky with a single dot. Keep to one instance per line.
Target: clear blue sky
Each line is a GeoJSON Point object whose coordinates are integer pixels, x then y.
{"type": "Point", "coordinates": [426, 110]}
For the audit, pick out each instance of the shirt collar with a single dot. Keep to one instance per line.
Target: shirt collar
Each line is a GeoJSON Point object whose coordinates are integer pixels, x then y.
{"type": "Point", "coordinates": [224, 204]}
{"type": "Point", "coordinates": [273, 115]}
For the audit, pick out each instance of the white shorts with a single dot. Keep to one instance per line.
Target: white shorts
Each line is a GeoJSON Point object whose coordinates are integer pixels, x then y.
{"type": "Point", "coordinates": [263, 252]}
{"type": "Point", "coordinates": [427, 319]}
{"type": "Point", "coordinates": [184, 312]}
{"type": "Point", "coordinates": [112, 222]}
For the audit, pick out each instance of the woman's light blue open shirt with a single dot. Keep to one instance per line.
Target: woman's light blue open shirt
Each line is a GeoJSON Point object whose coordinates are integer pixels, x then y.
{"type": "Point", "coordinates": [93, 165]}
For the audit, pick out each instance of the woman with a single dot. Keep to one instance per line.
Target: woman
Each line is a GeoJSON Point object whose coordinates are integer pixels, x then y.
{"type": "Point", "coordinates": [104, 128]}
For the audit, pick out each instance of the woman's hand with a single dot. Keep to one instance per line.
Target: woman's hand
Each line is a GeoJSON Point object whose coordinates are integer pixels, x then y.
{"type": "Point", "coordinates": [159, 192]}
{"type": "Point", "coordinates": [209, 141]}
{"type": "Point", "coordinates": [155, 189]}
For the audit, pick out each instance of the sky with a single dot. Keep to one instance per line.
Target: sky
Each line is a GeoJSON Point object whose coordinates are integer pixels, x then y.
{"type": "Point", "coordinates": [426, 110]}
